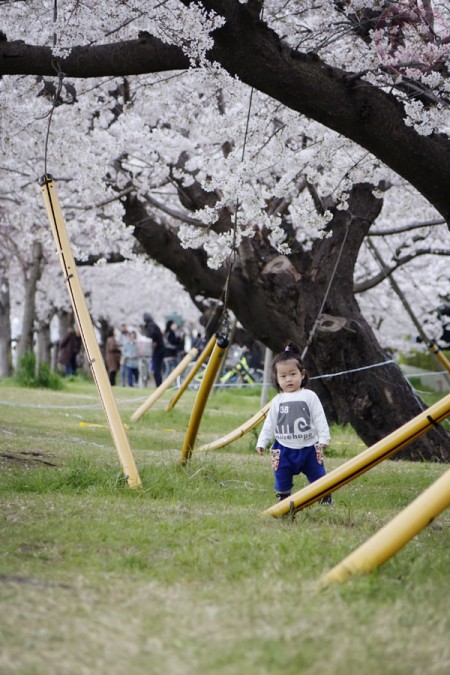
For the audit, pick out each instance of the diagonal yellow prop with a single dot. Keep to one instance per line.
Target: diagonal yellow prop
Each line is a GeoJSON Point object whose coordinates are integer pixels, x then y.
{"type": "Point", "coordinates": [86, 329]}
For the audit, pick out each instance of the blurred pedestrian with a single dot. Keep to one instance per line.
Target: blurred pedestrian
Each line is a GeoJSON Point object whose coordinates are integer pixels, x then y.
{"type": "Point", "coordinates": [112, 355]}
{"type": "Point", "coordinates": [173, 346]}
{"type": "Point", "coordinates": [153, 331]}
{"type": "Point", "coordinates": [68, 349]}
{"type": "Point", "coordinates": [130, 359]}
{"type": "Point", "coordinates": [121, 339]}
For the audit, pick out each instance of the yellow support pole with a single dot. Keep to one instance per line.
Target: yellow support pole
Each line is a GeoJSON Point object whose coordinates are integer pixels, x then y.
{"type": "Point", "coordinates": [86, 329]}
{"type": "Point", "coordinates": [202, 396]}
{"type": "Point", "coordinates": [367, 459]}
{"type": "Point", "coordinates": [231, 334]}
{"type": "Point", "coordinates": [395, 534]}
{"type": "Point", "coordinates": [187, 381]}
{"type": "Point", "coordinates": [237, 433]}
{"type": "Point", "coordinates": [172, 376]}
{"type": "Point", "coordinates": [439, 354]}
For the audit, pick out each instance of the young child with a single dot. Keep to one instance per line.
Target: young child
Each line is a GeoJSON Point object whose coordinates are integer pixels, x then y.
{"type": "Point", "coordinates": [297, 421]}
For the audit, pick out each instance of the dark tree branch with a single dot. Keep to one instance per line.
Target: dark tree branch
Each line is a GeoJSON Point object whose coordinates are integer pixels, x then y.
{"type": "Point", "coordinates": [132, 57]}
{"type": "Point", "coordinates": [406, 228]}
{"type": "Point", "coordinates": [173, 213]}
{"type": "Point", "coordinates": [387, 272]}
{"type": "Point", "coordinates": [92, 260]}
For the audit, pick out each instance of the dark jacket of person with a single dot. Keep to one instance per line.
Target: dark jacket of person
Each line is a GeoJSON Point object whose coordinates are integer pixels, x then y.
{"type": "Point", "coordinates": [153, 331]}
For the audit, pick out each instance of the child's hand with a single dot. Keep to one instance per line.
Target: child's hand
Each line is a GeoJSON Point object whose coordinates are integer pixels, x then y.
{"type": "Point", "coordinates": [320, 447]}
{"type": "Point", "coordinates": [260, 451]}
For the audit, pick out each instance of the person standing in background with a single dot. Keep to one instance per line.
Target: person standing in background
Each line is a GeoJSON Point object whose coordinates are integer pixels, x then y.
{"type": "Point", "coordinates": [130, 359]}
{"type": "Point", "coordinates": [122, 338]}
{"type": "Point", "coordinates": [173, 346]}
{"type": "Point", "coordinates": [153, 331]}
{"type": "Point", "coordinates": [68, 350]}
{"type": "Point", "coordinates": [112, 356]}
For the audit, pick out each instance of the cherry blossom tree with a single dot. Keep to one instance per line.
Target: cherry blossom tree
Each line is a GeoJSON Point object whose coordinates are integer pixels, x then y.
{"type": "Point", "coordinates": [255, 152]}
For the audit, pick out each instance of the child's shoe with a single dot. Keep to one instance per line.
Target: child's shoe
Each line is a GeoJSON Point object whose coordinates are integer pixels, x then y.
{"type": "Point", "coordinates": [282, 495]}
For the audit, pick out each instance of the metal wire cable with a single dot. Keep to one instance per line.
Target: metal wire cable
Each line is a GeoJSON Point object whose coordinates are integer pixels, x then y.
{"type": "Point", "coordinates": [60, 75]}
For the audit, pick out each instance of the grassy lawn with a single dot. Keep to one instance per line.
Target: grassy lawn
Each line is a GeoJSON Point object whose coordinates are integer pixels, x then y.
{"type": "Point", "coordinates": [184, 576]}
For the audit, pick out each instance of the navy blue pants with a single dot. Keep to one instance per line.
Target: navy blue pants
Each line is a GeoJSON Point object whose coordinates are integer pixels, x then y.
{"type": "Point", "coordinates": [290, 462]}
{"type": "Point", "coordinates": [157, 364]}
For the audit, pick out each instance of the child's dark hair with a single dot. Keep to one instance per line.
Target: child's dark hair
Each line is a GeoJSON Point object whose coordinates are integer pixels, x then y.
{"type": "Point", "coordinates": [291, 352]}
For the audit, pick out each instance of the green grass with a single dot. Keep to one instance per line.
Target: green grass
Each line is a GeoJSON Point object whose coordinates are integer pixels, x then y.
{"type": "Point", "coordinates": [184, 576]}
{"type": "Point", "coordinates": [426, 360]}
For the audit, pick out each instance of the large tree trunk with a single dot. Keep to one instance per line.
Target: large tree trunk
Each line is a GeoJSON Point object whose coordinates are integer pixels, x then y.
{"type": "Point", "coordinates": [29, 311]}
{"type": "Point", "coordinates": [5, 328]}
{"type": "Point", "coordinates": [43, 347]}
{"type": "Point", "coordinates": [279, 298]}
{"type": "Point", "coordinates": [65, 321]}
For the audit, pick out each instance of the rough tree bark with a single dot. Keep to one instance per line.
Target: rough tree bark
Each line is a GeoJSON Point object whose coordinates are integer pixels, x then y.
{"type": "Point", "coordinates": [29, 310]}
{"type": "Point", "coordinates": [5, 328]}
{"type": "Point", "coordinates": [43, 343]}
{"type": "Point", "coordinates": [278, 298]}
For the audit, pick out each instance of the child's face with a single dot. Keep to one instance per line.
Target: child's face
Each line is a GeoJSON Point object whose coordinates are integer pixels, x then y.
{"type": "Point", "coordinates": [289, 376]}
